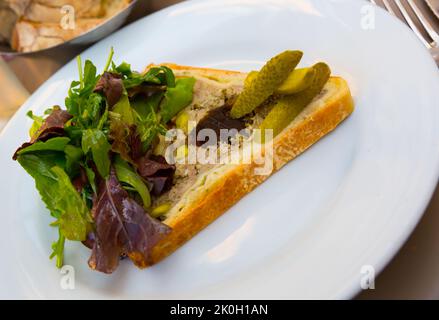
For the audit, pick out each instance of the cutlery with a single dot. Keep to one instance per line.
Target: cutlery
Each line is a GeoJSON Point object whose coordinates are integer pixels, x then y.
{"type": "Point", "coordinates": [434, 6]}
{"type": "Point", "coordinates": [417, 20]}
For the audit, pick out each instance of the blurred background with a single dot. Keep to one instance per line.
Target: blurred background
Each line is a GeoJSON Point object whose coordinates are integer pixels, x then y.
{"type": "Point", "coordinates": [21, 73]}
{"type": "Point", "coordinates": [412, 274]}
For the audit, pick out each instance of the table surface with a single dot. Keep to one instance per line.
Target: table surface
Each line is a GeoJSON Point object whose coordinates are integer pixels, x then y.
{"type": "Point", "coordinates": [414, 271]}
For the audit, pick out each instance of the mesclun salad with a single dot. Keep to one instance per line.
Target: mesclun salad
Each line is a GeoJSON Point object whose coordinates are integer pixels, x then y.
{"type": "Point", "coordinates": [92, 162]}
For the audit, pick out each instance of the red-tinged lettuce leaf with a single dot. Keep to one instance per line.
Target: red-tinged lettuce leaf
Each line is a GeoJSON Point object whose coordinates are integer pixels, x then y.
{"type": "Point", "coordinates": [111, 85]}
{"type": "Point", "coordinates": [146, 91]}
{"type": "Point", "coordinates": [134, 125]}
{"type": "Point", "coordinates": [157, 172]}
{"type": "Point", "coordinates": [122, 227]}
{"type": "Point", "coordinates": [89, 242]}
{"type": "Point", "coordinates": [53, 126]}
{"type": "Point", "coordinates": [81, 180]}
{"type": "Point", "coordinates": [136, 144]}
{"type": "Point", "coordinates": [124, 139]}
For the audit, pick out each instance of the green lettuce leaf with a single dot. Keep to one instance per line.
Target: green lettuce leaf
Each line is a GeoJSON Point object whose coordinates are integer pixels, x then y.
{"type": "Point", "coordinates": [91, 110]}
{"type": "Point", "coordinates": [58, 249]}
{"type": "Point", "coordinates": [59, 195]}
{"type": "Point", "coordinates": [124, 69]}
{"type": "Point", "coordinates": [123, 108]}
{"type": "Point", "coordinates": [74, 219]}
{"type": "Point", "coordinates": [144, 107]}
{"type": "Point", "coordinates": [73, 157]}
{"type": "Point", "coordinates": [95, 140]}
{"type": "Point", "coordinates": [81, 102]}
{"type": "Point", "coordinates": [147, 120]}
{"type": "Point", "coordinates": [36, 125]}
{"type": "Point", "coordinates": [158, 75]}
{"type": "Point", "coordinates": [54, 144]}
{"type": "Point", "coordinates": [91, 176]}
{"type": "Point", "coordinates": [177, 98]}
{"type": "Point", "coordinates": [89, 80]}
{"type": "Point", "coordinates": [125, 174]}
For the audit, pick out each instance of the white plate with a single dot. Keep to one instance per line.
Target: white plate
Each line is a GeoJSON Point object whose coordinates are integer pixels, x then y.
{"type": "Point", "coordinates": [348, 202]}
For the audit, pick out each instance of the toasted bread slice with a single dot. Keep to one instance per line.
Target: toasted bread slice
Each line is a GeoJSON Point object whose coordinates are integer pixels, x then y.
{"type": "Point", "coordinates": [215, 190]}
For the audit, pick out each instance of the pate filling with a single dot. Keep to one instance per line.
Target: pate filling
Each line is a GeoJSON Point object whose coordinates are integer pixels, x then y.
{"type": "Point", "coordinates": [209, 94]}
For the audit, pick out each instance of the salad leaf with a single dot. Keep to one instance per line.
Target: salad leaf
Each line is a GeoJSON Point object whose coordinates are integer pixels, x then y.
{"type": "Point", "coordinates": [103, 122]}
{"type": "Point", "coordinates": [148, 122]}
{"type": "Point", "coordinates": [80, 98]}
{"type": "Point", "coordinates": [109, 60]}
{"type": "Point", "coordinates": [132, 132]}
{"type": "Point", "coordinates": [54, 144]}
{"type": "Point", "coordinates": [74, 219]}
{"type": "Point", "coordinates": [73, 157]}
{"type": "Point", "coordinates": [59, 195]}
{"type": "Point", "coordinates": [91, 111]}
{"type": "Point", "coordinates": [166, 76]}
{"type": "Point", "coordinates": [144, 107]}
{"type": "Point", "coordinates": [58, 250]}
{"type": "Point", "coordinates": [156, 171]}
{"type": "Point", "coordinates": [176, 99]}
{"type": "Point", "coordinates": [146, 91]}
{"type": "Point", "coordinates": [96, 141]}
{"type": "Point", "coordinates": [158, 75]}
{"type": "Point", "coordinates": [112, 86]}
{"type": "Point", "coordinates": [53, 125]}
{"type": "Point", "coordinates": [90, 79]}
{"type": "Point", "coordinates": [39, 168]}
{"type": "Point", "coordinates": [91, 176]}
{"type": "Point", "coordinates": [127, 175]}
{"type": "Point", "coordinates": [122, 136]}
{"type": "Point", "coordinates": [124, 68]}
{"type": "Point", "coordinates": [122, 227]}
{"type": "Point", "coordinates": [36, 125]}
{"type": "Point", "coordinates": [123, 108]}
{"type": "Point", "coordinates": [80, 181]}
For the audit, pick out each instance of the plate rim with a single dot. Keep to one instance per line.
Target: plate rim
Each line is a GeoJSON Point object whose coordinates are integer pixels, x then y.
{"type": "Point", "coordinates": [382, 261]}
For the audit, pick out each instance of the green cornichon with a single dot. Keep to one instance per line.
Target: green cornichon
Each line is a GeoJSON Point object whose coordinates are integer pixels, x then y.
{"type": "Point", "coordinates": [271, 77]}
{"type": "Point", "coordinates": [297, 81]}
{"type": "Point", "coordinates": [289, 107]}
{"type": "Point", "coordinates": [250, 77]}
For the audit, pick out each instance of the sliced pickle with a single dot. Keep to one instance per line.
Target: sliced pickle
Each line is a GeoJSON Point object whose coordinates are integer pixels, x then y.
{"type": "Point", "coordinates": [288, 108]}
{"type": "Point", "coordinates": [250, 77]}
{"type": "Point", "coordinates": [297, 81]}
{"type": "Point", "coordinates": [271, 76]}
